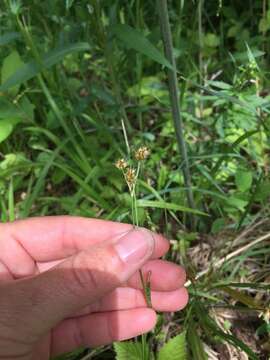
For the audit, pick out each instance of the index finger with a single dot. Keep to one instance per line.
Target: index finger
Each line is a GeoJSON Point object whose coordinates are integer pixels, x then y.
{"type": "Point", "coordinates": [56, 237]}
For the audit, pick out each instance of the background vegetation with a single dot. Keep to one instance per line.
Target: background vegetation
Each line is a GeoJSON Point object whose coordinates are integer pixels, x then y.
{"type": "Point", "coordinates": [73, 72]}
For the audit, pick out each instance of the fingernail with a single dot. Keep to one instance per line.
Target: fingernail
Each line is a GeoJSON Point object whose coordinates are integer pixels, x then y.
{"type": "Point", "coordinates": [136, 246]}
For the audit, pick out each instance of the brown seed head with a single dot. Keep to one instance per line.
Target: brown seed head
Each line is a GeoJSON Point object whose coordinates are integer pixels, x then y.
{"type": "Point", "coordinates": [142, 153]}
{"type": "Point", "coordinates": [121, 164]}
{"type": "Point", "coordinates": [130, 176]}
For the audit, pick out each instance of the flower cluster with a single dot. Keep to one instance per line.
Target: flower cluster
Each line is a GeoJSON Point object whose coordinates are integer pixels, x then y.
{"type": "Point", "coordinates": [130, 173]}
{"type": "Point", "coordinates": [142, 153]}
{"type": "Point", "coordinates": [121, 164]}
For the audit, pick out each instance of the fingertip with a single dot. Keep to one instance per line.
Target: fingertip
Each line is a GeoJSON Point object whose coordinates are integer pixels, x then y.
{"type": "Point", "coordinates": [170, 301]}
{"type": "Point", "coordinates": [181, 275]}
{"type": "Point", "coordinates": [162, 245]}
{"type": "Point", "coordinates": [146, 320]}
{"type": "Point", "coordinates": [184, 298]}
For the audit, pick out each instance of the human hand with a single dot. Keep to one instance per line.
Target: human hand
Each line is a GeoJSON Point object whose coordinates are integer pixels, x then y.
{"type": "Point", "coordinates": [67, 282]}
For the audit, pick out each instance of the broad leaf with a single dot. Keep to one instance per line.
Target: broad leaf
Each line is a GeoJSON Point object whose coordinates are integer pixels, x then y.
{"type": "Point", "coordinates": [8, 110]}
{"type": "Point", "coordinates": [6, 128]}
{"type": "Point", "coordinates": [134, 39]}
{"type": "Point", "coordinates": [237, 203]}
{"type": "Point", "coordinates": [10, 65]}
{"type": "Point", "coordinates": [31, 69]}
{"type": "Point", "coordinates": [243, 180]}
{"type": "Point", "coordinates": [174, 349]}
{"type": "Point", "coordinates": [128, 350]}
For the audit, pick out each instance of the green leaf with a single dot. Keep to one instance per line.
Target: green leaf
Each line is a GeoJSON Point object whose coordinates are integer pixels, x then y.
{"type": "Point", "coordinates": [128, 350]}
{"type": "Point", "coordinates": [264, 25]}
{"type": "Point", "coordinates": [174, 349]}
{"type": "Point", "coordinates": [211, 40]}
{"type": "Point", "coordinates": [134, 39]}
{"type": "Point", "coordinates": [6, 128]}
{"type": "Point", "coordinates": [195, 343]}
{"type": "Point", "coordinates": [219, 84]}
{"type": "Point", "coordinates": [31, 69]}
{"type": "Point", "coordinates": [217, 225]}
{"type": "Point", "coordinates": [168, 206]}
{"type": "Point", "coordinates": [237, 203]}
{"type": "Point", "coordinates": [8, 37]}
{"type": "Point", "coordinates": [8, 110]}
{"type": "Point", "coordinates": [10, 65]}
{"type": "Point", "coordinates": [243, 180]}
{"type": "Point", "coordinates": [263, 191]}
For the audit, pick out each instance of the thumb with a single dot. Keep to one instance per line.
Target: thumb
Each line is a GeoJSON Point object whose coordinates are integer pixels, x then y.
{"type": "Point", "coordinates": [48, 298]}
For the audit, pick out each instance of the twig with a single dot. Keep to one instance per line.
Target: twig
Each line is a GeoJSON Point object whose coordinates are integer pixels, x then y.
{"type": "Point", "coordinates": [221, 261]}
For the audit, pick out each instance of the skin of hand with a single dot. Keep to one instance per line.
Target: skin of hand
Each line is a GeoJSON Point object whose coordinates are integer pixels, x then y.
{"type": "Point", "coordinates": [69, 281]}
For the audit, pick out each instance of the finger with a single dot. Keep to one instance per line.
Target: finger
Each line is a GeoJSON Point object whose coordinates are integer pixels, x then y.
{"type": "Point", "coordinates": [54, 238]}
{"type": "Point", "coordinates": [101, 328]}
{"type": "Point", "coordinates": [5, 275]}
{"type": "Point", "coordinates": [164, 276]}
{"type": "Point", "coordinates": [48, 298]}
{"type": "Point", "coordinates": [129, 298]}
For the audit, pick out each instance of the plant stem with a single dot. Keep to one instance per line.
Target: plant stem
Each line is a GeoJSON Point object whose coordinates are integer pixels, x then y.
{"type": "Point", "coordinates": [145, 283]}
{"type": "Point", "coordinates": [175, 102]}
{"type": "Point", "coordinates": [200, 35]}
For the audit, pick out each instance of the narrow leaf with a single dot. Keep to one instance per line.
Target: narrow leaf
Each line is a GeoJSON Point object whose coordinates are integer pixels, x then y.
{"type": "Point", "coordinates": [168, 206]}
{"type": "Point", "coordinates": [31, 69]}
{"type": "Point", "coordinates": [134, 39]}
{"type": "Point", "coordinates": [243, 298]}
{"type": "Point", "coordinates": [196, 344]}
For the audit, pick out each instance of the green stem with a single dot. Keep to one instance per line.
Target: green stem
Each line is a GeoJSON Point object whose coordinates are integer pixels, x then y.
{"type": "Point", "coordinates": [175, 102]}
{"type": "Point", "coordinates": [200, 34]}
{"type": "Point", "coordinates": [145, 283]}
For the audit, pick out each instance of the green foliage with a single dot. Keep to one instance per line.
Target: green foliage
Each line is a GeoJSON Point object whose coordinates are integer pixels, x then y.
{"type": "Point", "coordinates": [196, 345]}
{"type": "Point", "coordinates": [31, 69]}
{"type": "Point", "coordinates": [8, 37]}
{"type": "Point", "coordinates": [6, 128]}
{"type": "Point", "coordinates": [168, 206]}
{"type": "Point", "coordinates": [10, 65]}
{"type": "Point", "coordinates": [243, 180]}
{"type": "Point", "coordinates": [128, 350]}
{"type": "Point", "coordinates": [133, 39]}
{"type": "Point", "coordinates": [174, 349]}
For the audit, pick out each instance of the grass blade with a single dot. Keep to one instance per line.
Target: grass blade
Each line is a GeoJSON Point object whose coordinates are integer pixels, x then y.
{"type": "Point", "coordinates": [168, 206]}
{"type": "Point", "coordinates": [31, 69]}
{"type": "Point", "coordinates": [134, 39]}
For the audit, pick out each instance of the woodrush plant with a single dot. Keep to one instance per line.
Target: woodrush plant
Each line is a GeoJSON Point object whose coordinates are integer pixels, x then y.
{"type": "Point", "coordinates": [141, 350]}
{"type": "Point", "coordinates": [131, 171]}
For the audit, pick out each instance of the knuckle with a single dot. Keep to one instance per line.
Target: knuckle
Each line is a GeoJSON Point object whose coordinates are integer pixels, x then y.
{"type": "Point", "coordinates": [85, 277]}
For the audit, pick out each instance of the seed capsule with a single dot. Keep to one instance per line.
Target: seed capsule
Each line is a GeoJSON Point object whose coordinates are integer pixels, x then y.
{"type": "Point", "coordinates": [121, 164]}
{"type": "Point", "coordinates": [130, 176]}
{"type": "Point", "coordinates": [142, 153]}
